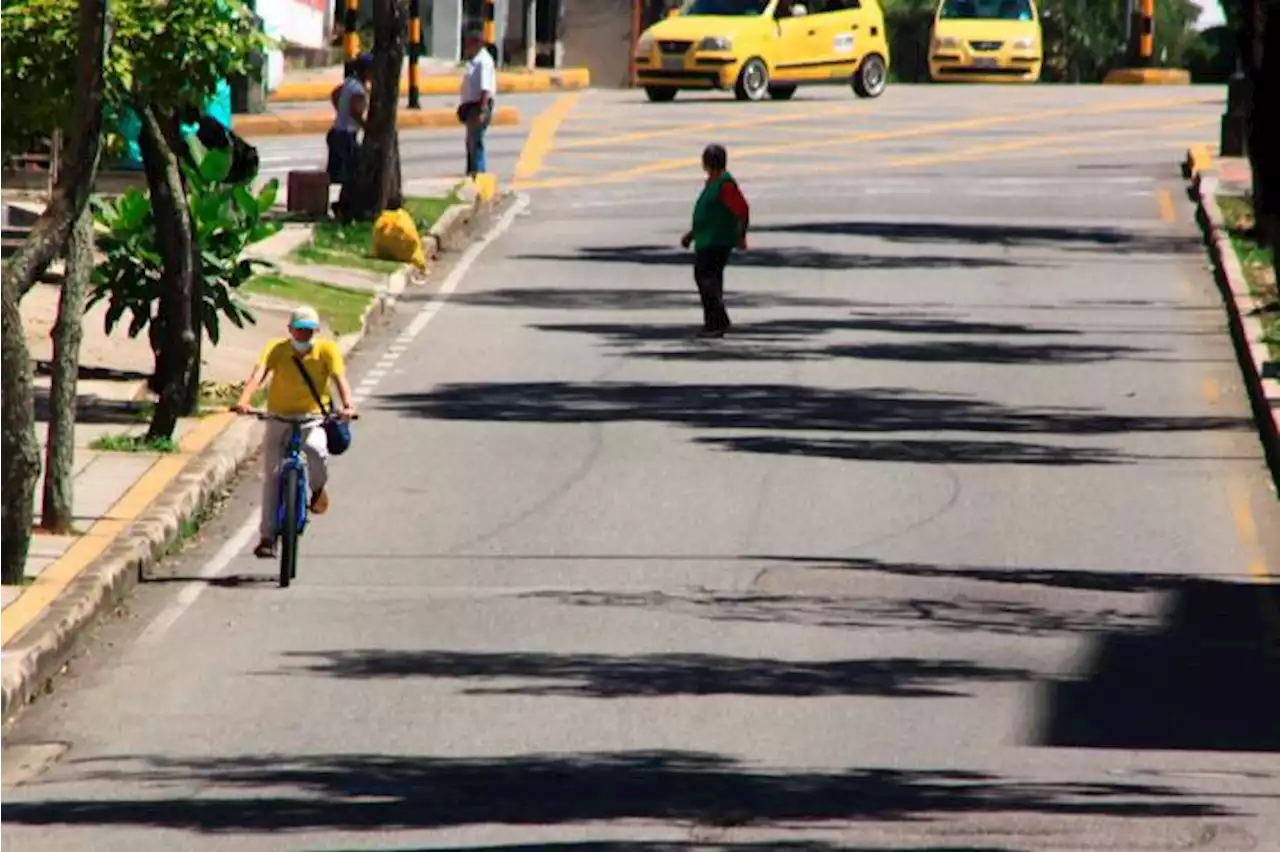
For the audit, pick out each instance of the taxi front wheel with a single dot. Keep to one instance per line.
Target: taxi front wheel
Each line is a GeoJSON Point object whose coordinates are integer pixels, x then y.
{"type": "Point", "coordinates": [871, 77]}
{"type": "Point", "coordinates": [753, 81]}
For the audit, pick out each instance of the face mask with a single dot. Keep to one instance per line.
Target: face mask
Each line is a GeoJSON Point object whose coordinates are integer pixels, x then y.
{"type": "Point", "coordinates": [301, 345]}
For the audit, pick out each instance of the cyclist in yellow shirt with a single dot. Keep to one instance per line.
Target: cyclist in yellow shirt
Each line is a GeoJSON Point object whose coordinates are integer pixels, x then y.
{"type": "Point", "coordinates": [290, 395]}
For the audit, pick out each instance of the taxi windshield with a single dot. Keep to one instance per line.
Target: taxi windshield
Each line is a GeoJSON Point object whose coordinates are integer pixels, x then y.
{"type": "Point", "coordinates": [999, 10]}
{"type": "Point", "coordinates": [737, 8]}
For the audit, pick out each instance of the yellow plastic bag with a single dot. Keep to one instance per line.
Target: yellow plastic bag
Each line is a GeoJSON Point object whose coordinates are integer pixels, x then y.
{"type": "Point", "coordinates": [395, 237]}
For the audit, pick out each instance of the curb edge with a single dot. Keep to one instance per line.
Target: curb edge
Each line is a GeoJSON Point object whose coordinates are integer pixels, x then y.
{"type": "Point", "coordinates": [1246, 329]}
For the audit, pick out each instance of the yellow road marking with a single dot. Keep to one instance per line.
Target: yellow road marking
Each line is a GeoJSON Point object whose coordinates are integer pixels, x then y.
{"type": "Point", "coordinates": [95, 541]}
{"type": "Point", "coordinates": [1165, 202]}
{"type": "Point", "coordinates": [926, 130]}
{"type": "Point", "coordinates": [973, 154]}
{"type": "Point", "coordinates": [1034, 141]}
{"type": "Point", "coordinates": [1247, 529]}
{"type": "Point", "coordinates": [542, 135]}
{"type": "Point", "coordinates": [700, 126]}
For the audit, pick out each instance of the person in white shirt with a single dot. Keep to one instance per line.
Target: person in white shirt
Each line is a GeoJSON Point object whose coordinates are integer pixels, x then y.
{"type": "Point", "coordinates": [479, 85]}
{"type": "Point", "coordinates": [349, 103]}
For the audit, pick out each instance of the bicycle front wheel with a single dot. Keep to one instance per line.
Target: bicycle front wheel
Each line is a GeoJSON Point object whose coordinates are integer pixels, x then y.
{"type": "Point", "coordinates": [289, 532]}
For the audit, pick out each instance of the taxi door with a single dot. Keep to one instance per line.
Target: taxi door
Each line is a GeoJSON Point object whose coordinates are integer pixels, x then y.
{"type": "Point", "coordinates": [841, 35]}
{"type": "Point", "coordinates": [796, 42]}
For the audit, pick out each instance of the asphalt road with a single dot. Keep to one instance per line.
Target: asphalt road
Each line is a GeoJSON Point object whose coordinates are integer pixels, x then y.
{"type": "Point", "coordinates": [955, 543]}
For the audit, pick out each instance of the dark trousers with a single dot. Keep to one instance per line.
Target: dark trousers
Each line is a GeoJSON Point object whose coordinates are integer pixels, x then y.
{"type": "Point", "coordinates": [708, 272]}
{"type": "Point", "coordinates": [344, 159]}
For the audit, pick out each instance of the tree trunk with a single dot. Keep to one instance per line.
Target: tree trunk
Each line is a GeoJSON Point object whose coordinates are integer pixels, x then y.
{"type": "Point", "coordinates": [59, 495]}
{"type": "Point", "coordinates": [377, 186]}
{"type": "Point", "coordinates": [177, 353]}
{"type": "Point", "coordinates": [19, 447]}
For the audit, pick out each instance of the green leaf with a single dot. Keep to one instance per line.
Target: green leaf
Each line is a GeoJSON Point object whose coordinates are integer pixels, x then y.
{"type": "Point", "coordinates": [267, 196]}
{"type": "Point", "coordinates": [215, 166]}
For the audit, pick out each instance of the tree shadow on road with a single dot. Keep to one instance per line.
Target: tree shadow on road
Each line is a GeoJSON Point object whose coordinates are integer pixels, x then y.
{"type": "Point", "coordinates": [1209, 679]}
{"type": "Point", "coordinates": [1054, 578]}
{"type": "Point", "coordinates": [784, 407]}
{"type": "Point", "coordinates": [694, 846]}
{"type": "Point", "coordinates": [746, 343]}
{"type": "Point", "coordinates": [933, 451]}
{"type": "Point", "coordinates": [791, 257]}
{"type": "Point", "coordinates": [662, 675]}
{"type": "Point", "coordinates": [628, 298]}
{"type": "Point", "coordinates": [1003, 235]}
{"type": "Point", "coordinates": [292, 792]}
{"type": "Point", "coordinates": [956, 613]}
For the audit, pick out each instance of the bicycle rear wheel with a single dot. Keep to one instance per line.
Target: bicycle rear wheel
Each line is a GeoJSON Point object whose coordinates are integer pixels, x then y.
{"type": "Point", "coordinates": [289, 531]}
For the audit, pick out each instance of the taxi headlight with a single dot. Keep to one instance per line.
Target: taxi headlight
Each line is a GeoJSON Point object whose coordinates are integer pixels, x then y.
{"type": "Point", "coordinates": [716, 43]}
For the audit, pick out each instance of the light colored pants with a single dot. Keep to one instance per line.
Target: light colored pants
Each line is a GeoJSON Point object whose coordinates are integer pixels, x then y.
{"type": "Point", "coordinates": [316, 449]}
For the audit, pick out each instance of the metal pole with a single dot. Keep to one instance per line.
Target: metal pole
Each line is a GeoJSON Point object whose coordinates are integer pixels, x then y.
{"type": "Point", "coordinates": [637, 12]}
{"type": "Point", "coordinates": [415, 52]}
{"type": "Point", "coordinates": [531, 33]}
{"type": "Point", "coordinates": [351, 25]}
{"type": "Point", "coordinates": [1128, 31]}
{"type": "Point", "coordinates": [1147, 33]}
{"type": "Point", "coordinates": [490, 24]}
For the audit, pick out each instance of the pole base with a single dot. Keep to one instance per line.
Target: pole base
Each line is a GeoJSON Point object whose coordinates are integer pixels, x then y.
{"type": "Point", "coordinates": [1148, 77]}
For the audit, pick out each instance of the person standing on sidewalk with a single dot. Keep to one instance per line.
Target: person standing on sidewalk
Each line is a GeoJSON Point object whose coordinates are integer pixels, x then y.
{"type": "Point", "coordinates": [349, 103]}
{"type": "Point", "coordinates": [479, 85]}
{"type": "Point", "coordinates": [721, 217]}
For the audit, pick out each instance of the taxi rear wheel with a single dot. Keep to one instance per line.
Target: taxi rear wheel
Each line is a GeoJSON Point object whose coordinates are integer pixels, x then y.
{"type": "Point", "coordinates": [753, 81]}
{"type": "Point", "coordinates": [781, 93]}
{"type": "Point", "coordinates": [660, 94]}
{"type": "Point", "coordinates": [871, 77]}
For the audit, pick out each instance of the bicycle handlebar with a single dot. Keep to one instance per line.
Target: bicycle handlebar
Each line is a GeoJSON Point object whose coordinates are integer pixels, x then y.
{"type": "Point", "coordinates": [291, 418]}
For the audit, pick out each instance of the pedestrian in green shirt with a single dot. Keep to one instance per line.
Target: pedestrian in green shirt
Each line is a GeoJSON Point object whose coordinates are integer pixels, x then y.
{"type": "Point", "coordinates": [720, 220]}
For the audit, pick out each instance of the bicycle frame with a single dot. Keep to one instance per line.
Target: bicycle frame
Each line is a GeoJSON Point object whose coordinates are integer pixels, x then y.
{"type": "Point", "coordinates": [293, 458]}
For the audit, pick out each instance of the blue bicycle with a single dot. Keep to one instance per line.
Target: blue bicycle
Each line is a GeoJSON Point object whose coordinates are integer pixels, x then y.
{"type": "Point", "coordinates": [292, 502]}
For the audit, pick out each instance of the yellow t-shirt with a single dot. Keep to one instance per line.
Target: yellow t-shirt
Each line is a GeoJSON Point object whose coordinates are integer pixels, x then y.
{"type": "Point", "coordinates": [288, 393]}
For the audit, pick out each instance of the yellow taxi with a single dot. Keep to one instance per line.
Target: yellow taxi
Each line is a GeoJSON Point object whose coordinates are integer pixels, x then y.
{"type": "Point", "coordinates": [765, 48]}
{"type": "Point", "coordinates": [986, 41]}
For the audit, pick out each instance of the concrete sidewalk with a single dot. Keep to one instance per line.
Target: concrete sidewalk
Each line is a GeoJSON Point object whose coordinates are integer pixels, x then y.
{"type": "Point", "coordinates": [436, 77]}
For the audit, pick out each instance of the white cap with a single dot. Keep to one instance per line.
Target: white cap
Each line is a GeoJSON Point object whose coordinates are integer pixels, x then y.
{"type": "Point", "coordinates": [304, 317]}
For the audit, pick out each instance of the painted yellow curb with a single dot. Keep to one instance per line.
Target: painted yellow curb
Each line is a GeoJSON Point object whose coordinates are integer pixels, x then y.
{"type": "Point", "coordinates": [510, 82]}
{"type": "Point", "coordinates": [318, 123]}
{"type": "Point", "coordinates": [1199, 159]}
{"type": "Point", "coordinates": [1148, 77]}
{"type": "Point", "coordinates": [36, 597]}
